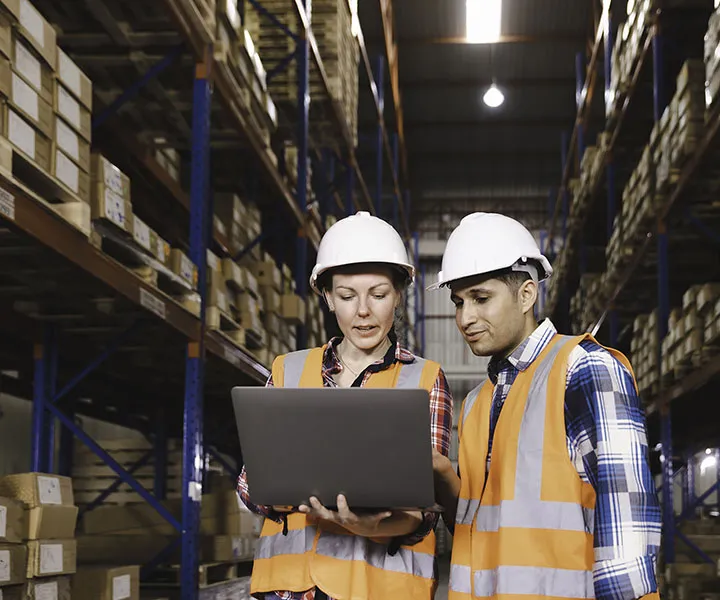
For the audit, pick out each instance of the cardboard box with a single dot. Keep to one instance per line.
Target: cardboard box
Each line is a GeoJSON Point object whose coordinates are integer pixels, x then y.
{"type": "Point", "coordinates": [182, 266]}
{"type": "Point", "coordinates": [162, 251]}
{"type": "Point", "coordinates": [229, 208]}
{"type": "Point", "coordinates": [13, 560]}
{"type": "Point", "coordinates": [272, 300]}
{"type": "Point", "coordinates": [106, 583]}
{"type": "Point", "coordinates": [38, 489]}
{"type": "Point", "coordinates": [6, 35]}
{"type": "Point", "coordinates": [74, 79]}
{"type": "Point", "coordinates": [71, 175]}
{"type": "Point", "coordinates": [72, 144]}
{"type": "Point", "coordinates": [143, 235]}
{"type": "Point", "coordinates": [51, 557]}
{"type": "Point", "coordinates": [106, 173]}
{"type": "Point", "coordinates": [29, 103]}
{"type": "Point", "coordinates": [268, 275]}
{"type": "Point", "coordinates": [12, 7]}
{"type": "Point", "coordinates": [32, 68]}
{"type": "Point", "coordinates": [13, 521]}
{"type": "Point", "coordinates": [52, 522]}
{"type": "Point", "coordinates": [293, 309]}
{"type": "Point", "coordinates": [77, 213]}
{"type": "Point", "coordinates": [109, 206]}
{"type": "Point", "coordinates": [74, 113]}
{"type": "Point", "coordinates": [55, 588]}
{"type": "Point", "coordinates": [24, 137]}
{"type": "Point", "coordinates": [35, 28]}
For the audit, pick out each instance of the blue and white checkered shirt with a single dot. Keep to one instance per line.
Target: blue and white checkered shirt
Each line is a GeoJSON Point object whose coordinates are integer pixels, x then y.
{"type": "Point", "coordinates": [607, 443]}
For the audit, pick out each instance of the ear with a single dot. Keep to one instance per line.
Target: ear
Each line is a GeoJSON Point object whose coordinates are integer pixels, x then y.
{"type": "Point", "coordinates": [527, 295]}
{"type": "Point", "coordinates": [328, 300]}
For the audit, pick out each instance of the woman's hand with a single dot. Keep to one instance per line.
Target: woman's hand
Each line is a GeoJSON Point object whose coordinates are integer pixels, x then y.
{"type": "Point", "coordinates": [365, 525]}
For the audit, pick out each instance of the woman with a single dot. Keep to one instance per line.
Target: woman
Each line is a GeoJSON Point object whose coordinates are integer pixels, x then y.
{"type": "Point", "coordinates": [314, 553]}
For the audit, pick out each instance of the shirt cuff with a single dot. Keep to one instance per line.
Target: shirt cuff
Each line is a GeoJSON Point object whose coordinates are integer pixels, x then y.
{"type": "Point", "coordinates": [626, 579]}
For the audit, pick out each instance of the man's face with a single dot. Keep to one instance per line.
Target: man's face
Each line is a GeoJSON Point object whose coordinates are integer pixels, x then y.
{"type": "Point", "coordinates": [490, 314]}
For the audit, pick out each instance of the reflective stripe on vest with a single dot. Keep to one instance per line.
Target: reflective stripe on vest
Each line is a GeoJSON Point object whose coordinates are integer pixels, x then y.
{"type": "Point", "coordinates": [526, 510]}
{"type": "Point", "coordinates": [297, 541]}
{"type": "Point", "coordinates": [344, 547]}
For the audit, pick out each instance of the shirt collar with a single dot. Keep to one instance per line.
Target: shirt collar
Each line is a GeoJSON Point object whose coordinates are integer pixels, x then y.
{"type": "Point", "coordinates": [526, 353]}
{"type": "Point", "coordinates": [398, 354]}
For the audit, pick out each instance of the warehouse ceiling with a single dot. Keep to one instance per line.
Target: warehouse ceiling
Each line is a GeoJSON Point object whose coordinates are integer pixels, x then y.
{"type": "Point", "coordinates": [463, 155]}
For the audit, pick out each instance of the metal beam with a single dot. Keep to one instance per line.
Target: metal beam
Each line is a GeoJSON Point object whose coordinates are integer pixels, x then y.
{"type": "Point", "coordinates": [493, 155]}
{"type": "Point", "coordinates": [566, 37]}
{"type": "Point", "coordinates": [551, 123]}
{"type": "Point", "coordinates": [443, 83]}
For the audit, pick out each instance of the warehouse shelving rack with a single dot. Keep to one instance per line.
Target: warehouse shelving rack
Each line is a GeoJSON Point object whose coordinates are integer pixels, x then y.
{"type": "Point", "coordinates": [99, 340]}
{"type": "Point", "coordinates": [661, 56]}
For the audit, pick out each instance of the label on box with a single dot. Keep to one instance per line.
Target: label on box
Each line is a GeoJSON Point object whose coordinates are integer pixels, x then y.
{"type": "Point", "coordinates": [3, 521]}
{"type": "Point", "coordinates": [21, 134]}
{"type": "Point", "coordinates": [163, 250]}
{"type": "Point", "coordinates": [121, 587]}
{"type": "Point", "coordinates": [69, 73]}
{"type": "Point", "coordinates": [25, 97]}
{"type": "Point", "coordinates": [4, 565]}
{"type": "Point", "coordinates": [7, 204]}
{"type": "Point", "coordinates": [115, 208]}
{"type": "Point", "coordinates": [67, 139]}
{"type": "Point", "coordinates": [152, 303]}
{"type": "Point", "coordinates": [237, 547]}
{"type": "Point", "coordinates": [187, 268]}
{"type": "Point", "coordinates": [51, 559]}
{"type": "Point", "coordinates": [68, 107]}
{"type": "Point", "coordinates": [141, 233]}
{"type": "Point", "coordinates": [46, 591]}
{"type": "Point", "coordinates": [31, 20]}
{"type": "Point", "coordinates": [112, 176]}
{"type": "Point", "coordinates": [49, 490]}
{"type": "Point", "coordinates": [67, 171]}
{"type": "Point", "coordinates": [28, 66]}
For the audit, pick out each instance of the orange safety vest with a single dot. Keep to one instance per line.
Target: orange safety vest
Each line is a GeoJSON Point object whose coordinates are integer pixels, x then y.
{"type": "Point", "coordinates": [314, 554]}
{"type": "Point", "coordinates": [528, 529]}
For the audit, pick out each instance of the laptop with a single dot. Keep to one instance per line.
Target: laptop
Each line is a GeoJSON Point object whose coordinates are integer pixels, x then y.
{"type": "Point", "coordinates": [372, 445]}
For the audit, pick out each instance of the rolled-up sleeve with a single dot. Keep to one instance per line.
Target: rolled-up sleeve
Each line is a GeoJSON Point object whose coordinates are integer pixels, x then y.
{"type": "Point", "coordinates": [606, 428]}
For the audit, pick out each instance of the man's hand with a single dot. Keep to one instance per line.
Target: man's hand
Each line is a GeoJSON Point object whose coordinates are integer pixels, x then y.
{"type": "Point", "coordinates": [362, 525]}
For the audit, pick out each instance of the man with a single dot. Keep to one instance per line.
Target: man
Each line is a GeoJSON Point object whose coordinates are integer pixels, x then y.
{"type": "Point", "coordinates": [554, 496]}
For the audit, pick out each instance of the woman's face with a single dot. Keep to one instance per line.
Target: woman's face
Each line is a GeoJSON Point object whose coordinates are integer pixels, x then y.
{"type": "Point", "coordinates": [364, 305]}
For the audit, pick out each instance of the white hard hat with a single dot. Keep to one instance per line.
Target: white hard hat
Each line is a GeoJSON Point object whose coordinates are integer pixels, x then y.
{"type": "Point", "coordinates": [358, 239]}
{"type": "Point", "coordinates": [488, 242]}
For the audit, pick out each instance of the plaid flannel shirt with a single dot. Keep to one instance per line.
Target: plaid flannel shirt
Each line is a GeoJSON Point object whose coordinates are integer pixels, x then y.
{"type": "Point", "coordinates": [607, 443]}
{"type": "Point", "coordinates": [441, 423]}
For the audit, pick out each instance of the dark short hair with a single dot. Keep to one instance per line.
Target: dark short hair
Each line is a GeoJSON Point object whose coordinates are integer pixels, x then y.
{"type": "Point", "coordinates": [400, 277]}
{"type": "Point", "coordinates": [514, 279]}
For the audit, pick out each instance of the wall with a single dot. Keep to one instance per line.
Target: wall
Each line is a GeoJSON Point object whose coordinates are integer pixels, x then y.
{"type": "Point", "coordinates": [16, 428]}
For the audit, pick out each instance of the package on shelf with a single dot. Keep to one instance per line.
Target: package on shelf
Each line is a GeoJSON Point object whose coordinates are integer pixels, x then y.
{"type": "Point", "coordinates": [13, 564]}
{"type": "Point", "coordinates": [51, 513]}
{"type": "Point", "coordinates": [183, 267]}
{"type": "Point", "coordinates": [108, 176]}
{"type": "Point", "coordinates": [583, 302]}
{"type": "Point", "coordinates": [218, 295]}
{"type": "Point", "coordinates": [30, 66]}
{"type": "Point", "coordinates": [27, 101]}
{"type": "Point", "coordinates": [144, 235]}
{"type": "Point", "coordinates": [26, 138]}
{"type": "Point", "coordinates": [72, 111]}
{"type": "Point", "coordinates": [47, 558]}
{"type": "Point", "coordinates": [10, 9]}
{"type": "Point", "coordinates": [106, 583]}
{"type": "Point", "coordinates": [293, 309]}
{"type": "Point", "coordinates": [38, 32]}
{"type": "Point", "coordinates": [712, 59]}
{"type": "Point", "coordinates": [13, 521]}
{"type": "Point", "coordinates": [110, 194]}
{"type": "Point", "coordinates": [74, 80]}
{"type": "Point", "coordinates": [50, 588]}
{"type": "Point", "coordinates": [644, 349]}
{"type": "Point", "coordinates": [272, 300]}
{"type": "Point", "coordinates": [268, 274]}
{"type": "Point", "coordinates": [167, 157]}
{"type": "Point", "coordinates": [73, 177]}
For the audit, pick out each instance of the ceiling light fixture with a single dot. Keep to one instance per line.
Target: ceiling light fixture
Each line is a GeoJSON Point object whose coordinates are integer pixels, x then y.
{"type": "Point", "coordinates": [493, 97]}
{"type": "Point", "coordinates": [482, 21]}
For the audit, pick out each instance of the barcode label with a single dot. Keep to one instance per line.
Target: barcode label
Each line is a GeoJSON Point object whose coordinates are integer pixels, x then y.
{"type": "Point", "coordinates": [7, 205]}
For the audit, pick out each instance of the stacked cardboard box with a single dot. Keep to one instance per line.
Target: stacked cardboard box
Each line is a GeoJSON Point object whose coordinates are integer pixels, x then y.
{"type": "Point", "coordinates": [72, 107]}
{"type": "Point", "coordinates": [692, 330]}
{"type": "Point", "coordinates": [110, 194]}
{"type": "Point", "coordinates": [107, 583]}
{"type": "Point", "coordinates": [332, 23]}
{"type": "Point", "coordinates": [167, 157]}
{"type": "Point", "coordinates": [582, 303]}
{"type": "Point", "coordinates": [712, 60]}
{"type": "Point", "coordinates": [238, 221]}
{"type": "Point", "coordinates": [315, 322]}
{"type": "Point", "coordinates": [644, 353]}
{"type": "Point", "coordinates": [91, 476]}
{"type": "Point", "coordinates": [134, 534]}
{"type": "Point", "coordinates": [13, 553]}
{"type": "Point", "coordinates": [627, 50]}
{"type": "Point", "coordinates": [51, 518]}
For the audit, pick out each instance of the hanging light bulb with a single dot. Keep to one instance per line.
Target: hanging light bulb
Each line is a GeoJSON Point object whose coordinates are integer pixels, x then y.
{"type": "Point", "coordinates": [493, 97]}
